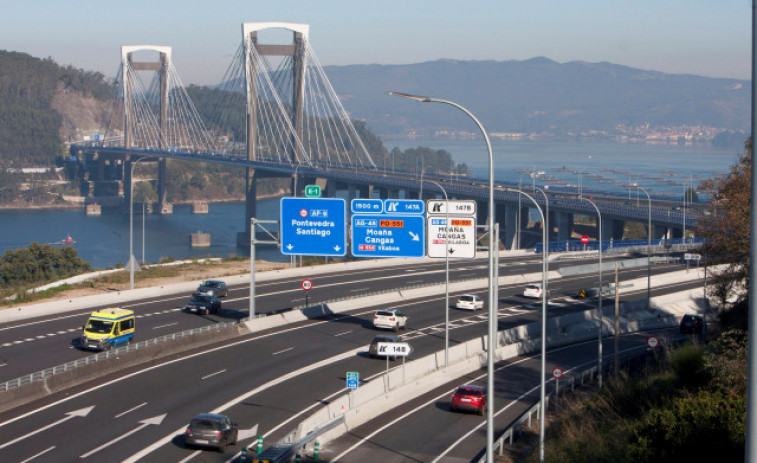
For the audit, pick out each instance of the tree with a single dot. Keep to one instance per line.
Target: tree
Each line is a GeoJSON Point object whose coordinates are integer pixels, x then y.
{"type": "Point", "coordinates": [726, 230]}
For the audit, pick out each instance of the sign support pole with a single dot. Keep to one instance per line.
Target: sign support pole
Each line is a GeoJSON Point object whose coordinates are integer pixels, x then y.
{"type": "Point", "coordinates": [253, 240]}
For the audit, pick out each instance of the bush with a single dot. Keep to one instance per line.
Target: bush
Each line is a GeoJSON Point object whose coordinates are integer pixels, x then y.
{"type": "Point", "coordinates": [704, 427]}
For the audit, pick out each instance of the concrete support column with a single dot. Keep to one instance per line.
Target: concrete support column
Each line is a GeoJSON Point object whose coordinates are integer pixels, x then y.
{"type": "Point", "coordinates": [659, 231]}
{"type": "Point", "coordinates": [251, 207]}
{"type": "Point", "coordinates": [331, 189]}
{"type": "Point", "coordinates": [509, 217]}
{"type": "Point", "coordinates": [563, 221]}
{"type": "Point", "coordinates": [352, 192]}
{"type": "Point", "coordinates": [162, 182]}
{"type": "Point", "coordinates": [500, 210]}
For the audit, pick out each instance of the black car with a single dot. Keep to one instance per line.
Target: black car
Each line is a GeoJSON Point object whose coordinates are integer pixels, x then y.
{"type": "Point", "coordinates": [215, 288]}
{"type": "Point", "coordinates": [203, 304]}
{"type": "Point", "coordinates": [693, 324]}
{"type": "Point", "coordinates": [389, 338]}
{"type": "Point", "coordinates": [211, 430]}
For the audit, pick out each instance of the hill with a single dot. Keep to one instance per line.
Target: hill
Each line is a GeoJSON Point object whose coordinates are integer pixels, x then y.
{"type": "Point", "coordinates": [540, 96]}
{"type": "Point", "coordinates": [43, 105]}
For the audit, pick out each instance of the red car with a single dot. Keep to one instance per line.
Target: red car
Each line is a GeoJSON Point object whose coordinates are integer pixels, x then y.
{"type": "Point", "coordinates": [469, 398]}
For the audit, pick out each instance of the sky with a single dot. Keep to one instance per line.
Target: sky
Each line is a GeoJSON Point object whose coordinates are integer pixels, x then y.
{"type": "Point", "coordinates": [702, 37]}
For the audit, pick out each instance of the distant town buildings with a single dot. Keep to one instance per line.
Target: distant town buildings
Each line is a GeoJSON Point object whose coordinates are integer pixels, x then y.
{"type": "Point", "coordinates": [646, 133]}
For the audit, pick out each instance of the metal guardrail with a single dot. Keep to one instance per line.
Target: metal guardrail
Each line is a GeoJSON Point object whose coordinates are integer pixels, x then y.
{"type": "Point", "coordinates": [284, 448]}
{"type": "Point", "coordinates": [578, 378]}
{"type": "Point", "coordinates": [101, 356]}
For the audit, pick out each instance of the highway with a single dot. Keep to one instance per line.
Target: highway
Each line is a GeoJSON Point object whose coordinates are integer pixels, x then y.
{"type": "Point", "coordinates": [267, 381]}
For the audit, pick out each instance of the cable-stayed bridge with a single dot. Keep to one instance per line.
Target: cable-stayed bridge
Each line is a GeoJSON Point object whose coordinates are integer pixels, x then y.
{"type": "Point", "coordinates": [276, 114]}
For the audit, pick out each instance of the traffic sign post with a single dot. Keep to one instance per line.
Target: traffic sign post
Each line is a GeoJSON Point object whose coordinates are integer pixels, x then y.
{"type": "Point", "coordinates": [307, 285]}
{"type": "Point", "coordinates": [653, 342]}
{"type": "Point", "coordinates": [313, 227]}
{"type": "Point", "coordinates": [585, 239]}
{"type": "Point", "coordinates": [388, 228]}
{"type": "Point", "coordinates": [353, 379]}
{"type": "Point", "coordinates": [557, 373]}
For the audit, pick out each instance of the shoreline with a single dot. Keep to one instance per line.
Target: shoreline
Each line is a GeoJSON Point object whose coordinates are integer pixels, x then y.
{"type": "Point", "coordinates": [83, 205]}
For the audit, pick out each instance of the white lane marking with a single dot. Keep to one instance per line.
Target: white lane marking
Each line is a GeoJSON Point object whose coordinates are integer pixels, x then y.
{"type": "Point", "coordinates": [214, 374]}
{"type": "Point", "coordinates": [37, 455]}
{"type": "Point", "coordinates": [282, 351]}
{"type": "Point", "coordinates": [358, 289]}
{"type": "Point", "coordinates": [163, 326]}
{"type": "Point", "coordinates": [343, 333]}
{"type": "Point", "coordinates": [156, 420]}
{"type": "Point", "coordinates": [82, 412]}
{"type": "Point", "coordinates": [416, 409]}
{"type": "Point", "coordinates": [131, 410]}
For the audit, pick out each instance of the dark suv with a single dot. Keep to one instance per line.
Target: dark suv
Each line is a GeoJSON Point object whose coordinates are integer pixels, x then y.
{"type": "Point", "coordinates": [215, 288]}
{"type": "Point", "coordinates": [693, 324]}
{"type": "Point", "coordinates": [211, 430]}
{"type": "Point", "coordinates": [203, 304]}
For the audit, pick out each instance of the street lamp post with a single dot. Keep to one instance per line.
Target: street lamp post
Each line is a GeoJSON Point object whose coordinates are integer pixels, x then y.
{"type": "Point", "coordinates": [599, 293]}
{"type": "Point", "coordinates": [492, 288]}
{"type": "Point", "coordinates": [649, 244]}
{"type": "Point", "coordinates": [446, 270]}
{"type": "Point", "coordinates": [132, 261]}
{"type": "Point", "coordinates": [544, 298]}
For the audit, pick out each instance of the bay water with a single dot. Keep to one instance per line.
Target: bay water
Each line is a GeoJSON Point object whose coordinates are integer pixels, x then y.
{"type": "Point", "coordinates": [104, 240]}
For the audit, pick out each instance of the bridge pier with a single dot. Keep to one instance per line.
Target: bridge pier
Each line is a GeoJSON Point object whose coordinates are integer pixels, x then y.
{"type": "Point", "coordinates": [564, 224]}
{"type": "Point", "coordinates": [251, 207]}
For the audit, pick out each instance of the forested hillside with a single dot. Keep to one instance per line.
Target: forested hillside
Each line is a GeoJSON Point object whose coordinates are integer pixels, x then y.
{"type": "Point", "coordinates": [31, 128]}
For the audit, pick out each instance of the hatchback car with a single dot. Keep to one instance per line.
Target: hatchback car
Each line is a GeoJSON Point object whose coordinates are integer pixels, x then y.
{"type": "Point", "coordinates": [532, 290]}
{"type": "Point", "coordinates": [391, 319]}
{"type": "Point", "coordinates": [693, 324]}
{"type": "Point", "coordinates": [373, 348]}
{"type": "Point", "coordinates": [203, 304]}
{"type": "Point", "coordinates": [215, 288]}
{"type": "Point", "coordinates": [469, 302]}
{"type": "Point", "coordinates": [211, 430]}
{"type": "Point", "coordinates": [469, 398]}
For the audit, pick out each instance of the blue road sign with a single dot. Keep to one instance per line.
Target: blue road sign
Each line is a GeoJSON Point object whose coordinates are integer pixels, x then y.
{"type": "Point", "coordinates": [404, 206]}
{"type": "Point", "coordinates": [353, 378]}
{"type": "Point", "coordinates": [313, 226]}
{"type": "Point", "coordinates": [367, 206]}
{"type": "Point", "coordinates": [380, 235]}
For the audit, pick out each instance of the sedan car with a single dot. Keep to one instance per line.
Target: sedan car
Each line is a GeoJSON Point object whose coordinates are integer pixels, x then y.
{"type": "Point", "coordinates": [373, 350]}
{"type": "Point", "coordinates": [215, 288]}
{"type": "Point", "coordinates": [391, 319]}
{"type": "Point", "coordinates": [469, 398]}
{"type": "Point", "coordinates": [469, 302]}
{"type": "Point", "coordinates": [693, 324]}
{"type": "Point", "coordinates": [203, 304]}
{"type": "Point", "coordinates": [211, 430]}
{"type": "Point", "coordinates": [532, 290]}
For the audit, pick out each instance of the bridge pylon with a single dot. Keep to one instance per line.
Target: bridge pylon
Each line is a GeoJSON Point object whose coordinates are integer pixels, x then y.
{"type": "Point", "coordinates": [297, 51]}
{"type": "Point", "coordinates": [162, 67]}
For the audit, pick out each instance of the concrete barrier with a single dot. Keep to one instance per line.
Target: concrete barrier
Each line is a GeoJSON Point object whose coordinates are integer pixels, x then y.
{"type": "Point", "coordinates": [405, 382]}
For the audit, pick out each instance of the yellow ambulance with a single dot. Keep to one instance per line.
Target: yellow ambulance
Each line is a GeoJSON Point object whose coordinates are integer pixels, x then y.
{"type": "Point", "coordinates": [108, 328]}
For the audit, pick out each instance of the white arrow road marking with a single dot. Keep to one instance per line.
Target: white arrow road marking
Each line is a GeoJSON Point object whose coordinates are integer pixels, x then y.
{"type": "Point", "coordinates": [142, 424]}
{"type": "Point", "coordinates": [81, 412]}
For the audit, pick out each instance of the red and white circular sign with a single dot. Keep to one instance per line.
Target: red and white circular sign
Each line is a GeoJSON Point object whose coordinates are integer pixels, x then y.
{"type": "Point", "coordinates": [585, 239]}
{"type": "Point", "coordinates": [557, 372]}
{"type": "Point", "coordinates": [303, 213]}
{"type": "Point", "coordinates": [653, 342]}
{"type": "Point", "coordinates": [307, 285]}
